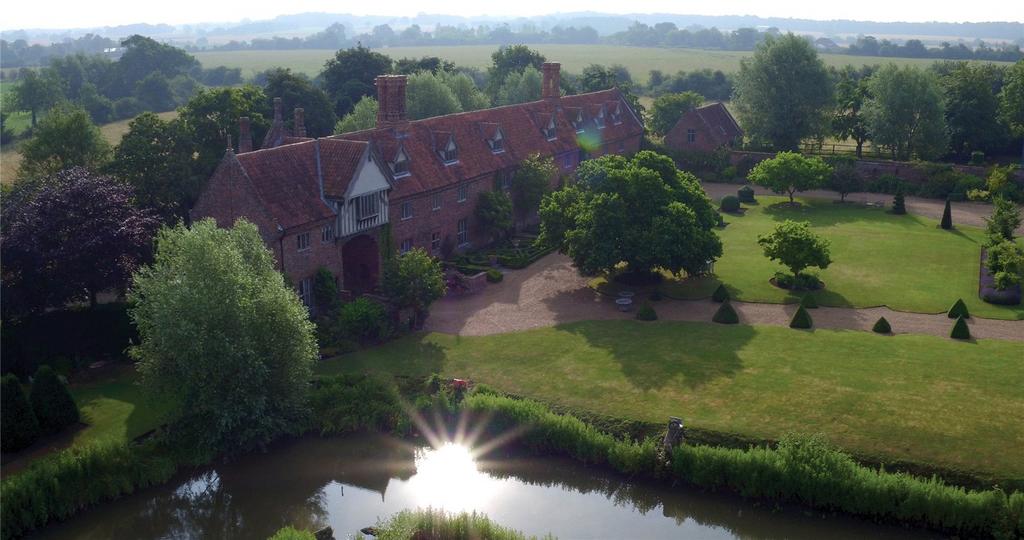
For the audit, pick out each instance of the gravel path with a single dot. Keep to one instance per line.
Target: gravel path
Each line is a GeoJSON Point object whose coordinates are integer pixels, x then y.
{"type": "Point", "coordinates": [550, 292]}
{"type": "Point", "coordinates": [967, 212]}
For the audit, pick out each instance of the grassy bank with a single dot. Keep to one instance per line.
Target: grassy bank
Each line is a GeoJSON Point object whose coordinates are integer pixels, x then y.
{"type": "Point", "coordinates": [639, 60]}
{"type": "Point", "coordinates": [909, 398]}
{"type": "Point", "coordinates": [905, 262]}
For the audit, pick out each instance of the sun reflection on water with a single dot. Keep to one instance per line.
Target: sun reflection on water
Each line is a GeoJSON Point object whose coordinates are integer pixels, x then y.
{"type": "Point", "coordinates": [448, 477]}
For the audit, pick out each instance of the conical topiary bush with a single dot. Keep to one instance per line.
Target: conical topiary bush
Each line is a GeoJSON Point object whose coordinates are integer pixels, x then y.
{"type": "Point", "coordinates": [54, 407]}
{"type": "Point", "coordinates": [899, 206]}
{"type": "Point", "coordinates": [947, 217]}
{"type": "Point", "coordinates": [808, 301]}
{"type": "Point", "coordinates": [960, 329]}
{"type": "Point", "coordinates": [726, 314]}
{"type": "Point", "coordinates": [18, 426]}
{"type": "Point", "coordinates": [801, 319]}
{"type": "Point", "coordinates": [721, 294]}
{"type": "Point", "coordinates": [958, 309]}
{"type": "Point", "coordinates": [881, 326]}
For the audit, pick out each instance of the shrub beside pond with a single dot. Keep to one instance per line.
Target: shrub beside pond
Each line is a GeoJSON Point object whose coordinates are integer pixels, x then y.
{"type": "Point", "coordinates": [430, 523]}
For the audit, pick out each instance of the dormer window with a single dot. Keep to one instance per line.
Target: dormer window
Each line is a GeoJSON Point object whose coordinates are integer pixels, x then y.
{"type": "Point", "coordinates": [449, 153]}
{"type": "Point", "coordinates": [617, 114]}
{"type": "Point", "coordinates": [577, 121]}
{"type": "Point", "coordinates": [497, 142]}
{"type": "Point", "coordinates": [401, 164]}
{"type": "Point", "coordinates": [549, 130]}
{"type": "Point", "coordinates": [599, 119]}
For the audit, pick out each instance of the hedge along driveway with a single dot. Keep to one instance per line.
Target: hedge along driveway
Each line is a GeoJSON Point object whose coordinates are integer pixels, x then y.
{"type": "Point", "coordinates": [921, 399]}
{"type": "Point", "coordinates": [904, 262]}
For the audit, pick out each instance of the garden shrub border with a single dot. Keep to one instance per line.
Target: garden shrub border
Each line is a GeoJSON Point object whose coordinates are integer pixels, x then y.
{"type": "Point", "coordinates": [987, 290]}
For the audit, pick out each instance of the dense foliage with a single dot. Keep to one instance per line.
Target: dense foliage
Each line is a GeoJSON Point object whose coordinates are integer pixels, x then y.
{"type": "Point", "coordinates": [795, 246]}
{"type": "Point", "coordinates": [18, 425]}
{"type": "Point", "coordinates": [413, 280]}
{"type": "Point", "coordinates": [641, 211]}
{"type": "Point", "coordinates": [66, 138]}
{"type": "Point", "coordinates": [1005, 262]}
{"type": "Point", "coordinates": [349, 76]}
{"type": "Point", "coordinates": [789, 172]}
{"type": "Point", "coordinates": [52, 404]}
{"type": "Point", "coordinates": [905, 112]}
{"type": "Point", "coordinates": [223, 336]}
{"type": "Point", "coordinates": [297, 91]}
{"type": "Point", "coordinates": [531, 182]}
{"type": "Point", "coordinates": [494, 214]}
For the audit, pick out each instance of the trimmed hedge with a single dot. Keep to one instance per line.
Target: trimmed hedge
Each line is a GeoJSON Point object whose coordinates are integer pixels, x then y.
{"type": "Point", "coordinates": [881, 326]}
{"type": "Point", "coordinates": [960, 329]}
{"type": "Point", "coordinates": [745, 194]}
{"type": "Point", "coordinates": [801, 319]}
{"type": "Point", "coordinates": [730, 203]}
{"type": "Point", "coordinates": [726, 314]}
{"type": "Point", "coordinates": [494, 276]}
{"type": "Point", "coordinates": [947, 217]}
{"type": "Point", "coordinates": [808, 301]}
{"type": "Point", "coordinates": [958, 309]}
{"type": "Point", "coordinates": [646, 313]}
{"type": "Point", "coordinates": [52, 404]}
{"type": "Point", "coordinates": [802, 470]}
{"type": "Point", "coordinates": [721, 294]}
{"type": "Point", "coordinates": [18, 425]}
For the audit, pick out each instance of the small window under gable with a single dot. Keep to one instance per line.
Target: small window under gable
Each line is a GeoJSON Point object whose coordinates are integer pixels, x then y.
{"type": "Point", "coordinates": [616, 113]}
{"type": "Point", "coordinates": [577, 121]}
{"type": "Point", "coordinates": [400, 167]}
{"type": "Point", "coordinates": [449, 153]}
{"type": "Point", "coordinates": [497, 142]}
{"type": "Point", "coordinates": [549, 130]}
{"type": "Point", "coordinates": [599, 118]}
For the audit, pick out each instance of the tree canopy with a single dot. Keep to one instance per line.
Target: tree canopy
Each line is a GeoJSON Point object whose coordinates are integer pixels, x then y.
{"type": "Point", "coordinates": [213, 114]}
{"type": "Point", "coordinates": [296, 90]}
{"type": "Point", "coordinates": [848, 121]}
{"type": "Point", "coordinates": [789, 172]}
{"type": "Point", "coordinates": [65, 138]}
{"type": "Point", "coordinates": [1011, 101]}
{"type": "Point", "coordinates": [363, 116]}
{"type": "Point", "coordinates": [520, 87]}
{"type": "Point", "coordinates": [669, 108]}
{"type": "Point", "coordinates": [36, 92]}
{"type": "Point", "coordinates": [508, 60]}
{"type": "Point", "coordinates": [413, 280]}
{"type": "Point", "coordinates": [905, 112]}
{"type": "Point", "coordinates": [223, 336]}
{"type": "Point", "coordinates": [795, 246]}
{"type": "Point", "coordinates": [350, 75]}
{"type": "Point", "coordinates": [784, 93]}
{"type": "Point", "coordinates": [427, 95]}
{"type": "Point", "coordinates": [972, 109]}
{"type": "Point", "coordinates": [494, 213]}
{"type": "Point", "coordinates": [532, 179]}
{"type": "Point", "coordinates": [73, 236]}
{"type": "Point", "coordinates": [641, 211]}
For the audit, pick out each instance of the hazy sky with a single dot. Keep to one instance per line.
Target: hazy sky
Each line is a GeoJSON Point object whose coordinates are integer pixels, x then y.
{"type": "Point", "coordinates": [89, 13]}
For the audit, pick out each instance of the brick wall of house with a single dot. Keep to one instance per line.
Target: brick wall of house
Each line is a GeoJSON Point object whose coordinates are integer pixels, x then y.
{"type": "Point", "coordinates": [229, 196]}
{"type": "Point", "coordinates": [425, 220]}
{"type": "Point", "coordinates": [302, 264]}
{"type": "Point", "coordinates": [676, 138]}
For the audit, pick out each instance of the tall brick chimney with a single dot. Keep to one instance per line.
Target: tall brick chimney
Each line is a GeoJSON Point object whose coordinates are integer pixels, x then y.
{"type": "Point", "coordinates": [299, 127]}
{"type": "Point", "coordinates": [277, 109]}
{"type": "Point", "coordinates": [244, 135]}
{"type": "Point", "coordinates": [551, 85]}
{"type": "Point", "coordinates": [391, 100]}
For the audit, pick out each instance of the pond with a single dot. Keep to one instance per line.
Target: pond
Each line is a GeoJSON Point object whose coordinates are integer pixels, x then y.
{"type": "Point", "coordinates": [348, 483]}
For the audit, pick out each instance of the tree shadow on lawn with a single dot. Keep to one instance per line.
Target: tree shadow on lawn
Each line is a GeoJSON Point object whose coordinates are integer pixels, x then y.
{"type": "Point", "coordinates": [820, 214]}
{"type": "Point", "coordinates": [656, 355]}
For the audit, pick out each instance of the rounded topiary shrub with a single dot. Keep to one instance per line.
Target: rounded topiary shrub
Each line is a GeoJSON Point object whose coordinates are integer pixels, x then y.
{"type": "Point", "coordinates": [801, 319]}
{"type": "Point", "coordinates": [958, 309]}
{"type": "Point", "coordinates": [18, 425]}
{"type": "Point", "coordinates": [494, 276]}
{"type": "Point", "coordinates": [721, 294]}
{"type": "Point", "coordinates": [51, 402]}
{"type": "Point", "coordinates": [726, 314]}
{"type": "Point", "coordinates": [881, 326]}
{"type": "Point", "coordinates": [745, 194]}
{"type": "Point", "coordinates": [646, 313]}
{"type": "Point", "coordinates": [960, 329]}
{"type": "Point", "coordinates": [730, 203]}
{"type": "Point", "coordinates": [808, 301]}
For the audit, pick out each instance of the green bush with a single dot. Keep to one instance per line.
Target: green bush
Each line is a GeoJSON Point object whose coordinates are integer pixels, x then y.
{"type": "Point", "coordinates": [730, 203]}
{"type": "Point", "coordinates": [960, 329]}
{"type": "Point", "coordinates": [958, 309]}
{"type": "Point", "coordinates": [494, 276]}
{"type": "Point", "coordinates": [646, 313]}
{"type": "Point", "coordinates": [726, 314]}
{"type": "Point", "coordinates": [59, 485]}
{"type": "Point", "coordinates": [349, 403]}
{"type": "Point", "coordinates": [890, 184]}
{"type": "Point", "coordinates": [52, 404]}
{"type": "Point", "coordinates": [881, 326]}
{"type": "Point", "coordinates": [947, 217]}
{"type": "Point", "coordinates": [745, 194]}
{"type": "Point", "coordinates": [801, 319]}
{"type": "Point", "coordinates": [325, 290]}
{"type": "Point", "coordinates": [291, 533]}
{"type": "Point", "coordinates": [802, 470]}
{"type": "Point", "coordinates": [364, 320]}
{"type": "Point", "coordinates": [808, 301]}
{"type": "Point", "coordinates": [899, 206]}
{"type": "Point", "coordinates": [429, 523]}
{"type": "Point", "coordinates": [721, 294]}
{"type": "Point", "coordinates": [18, 425]}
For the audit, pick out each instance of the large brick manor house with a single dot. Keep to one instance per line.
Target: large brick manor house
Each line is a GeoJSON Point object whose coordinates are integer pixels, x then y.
{"type": "Point", "coordinates": [323, 202]}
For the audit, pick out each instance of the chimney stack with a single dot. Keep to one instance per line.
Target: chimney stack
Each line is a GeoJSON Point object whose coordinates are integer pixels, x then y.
{"type": "Point", "coordinates": [551, 85]}
{"type": "Point", "coordinates": [299, 129]}
{"type": "Point", "coordinates": [391, 100]}
{"type": "Point", "coordinates": [244, 135]}
{"type": "Point", "coordinates": [277, 109]}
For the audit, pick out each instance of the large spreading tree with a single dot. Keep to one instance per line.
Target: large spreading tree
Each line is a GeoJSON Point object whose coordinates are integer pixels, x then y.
{"type": "Point", "coordinates": [530, 183]}
{"type": "Point", "coordinates": [37, 91]}
{"type": "Point", "coordinates": [1011, 102]}
{"type": "Point", "coordinates": [350, 76]}
{"type": "Point", "coordinates": [212, 115]}
{"type": "Point", "coordinates": [789, 172]}
{"type": "Point", "coordinates": [67, 239]}
{"type": "Point", "coordinates": [793, 245]}
{"type": "Point", "coordinates": [66, 138]}
{"type": "Point", "coordinates": [784, 93]}
{"type": "Point", "coordinates": [223, 337]}
{"type": "Point", "coordinates": [413, 280]}
{"type": "Point", "coordinates": [972, 109]}
{"type": "Point", "coordinates": [641, 211]}
{"type": "Point", "coordinates": [905, 112]}
{"type": "Point", "coordinates": [849, 122]}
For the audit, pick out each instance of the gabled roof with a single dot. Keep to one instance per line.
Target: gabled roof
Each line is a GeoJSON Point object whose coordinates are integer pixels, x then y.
{"type": "Point", "coordinates": [520, 126]}
{"type": "Point", "coordinates": [721, 126]}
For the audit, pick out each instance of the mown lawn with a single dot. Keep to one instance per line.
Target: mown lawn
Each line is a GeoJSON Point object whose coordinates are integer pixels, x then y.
{"type": "Point", "coordinates": [927, 400]}
{"type": "Point", "coordinates": [117, 408]}
{"type": "Point", "coordinates": [905, 262]}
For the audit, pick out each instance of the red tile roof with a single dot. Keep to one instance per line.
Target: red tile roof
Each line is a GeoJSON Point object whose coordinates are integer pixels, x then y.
{"type": "Point", "coordinates": [721, 126]}
{"type": "Point", "coordinates": [520, 125]}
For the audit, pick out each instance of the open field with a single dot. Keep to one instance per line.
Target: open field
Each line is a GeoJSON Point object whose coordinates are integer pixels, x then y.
{"type": "Point", "coordinates": [914, 398]}
{"type": "Point", "coordinates": [639, 60]}
{"type": "Point", "coordinates": [10, 159]}
{"type": "Point", "coordinates": [904, 262]}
